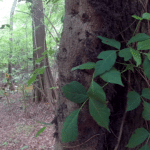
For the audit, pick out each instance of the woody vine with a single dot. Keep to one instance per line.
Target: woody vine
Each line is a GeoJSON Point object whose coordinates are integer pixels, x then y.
{"type": "Point", "coordinates": [96, 97]}
{"type": "Point", "coordinates": [104, 68]}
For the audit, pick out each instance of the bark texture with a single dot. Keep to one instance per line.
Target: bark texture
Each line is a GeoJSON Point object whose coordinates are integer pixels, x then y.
{"type": "Point", "coordinates": [45, 81]}
{"type": "Point", "coordinates": [84, 21]}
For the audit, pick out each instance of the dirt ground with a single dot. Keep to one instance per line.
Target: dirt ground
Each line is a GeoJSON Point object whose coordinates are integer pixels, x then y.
{"type": "Point", "coordinates": [18, 131]}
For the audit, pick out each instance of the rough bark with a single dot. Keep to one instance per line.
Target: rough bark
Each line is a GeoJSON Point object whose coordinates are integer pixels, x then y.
{"type": "Point", "coordinates": [84, 21]}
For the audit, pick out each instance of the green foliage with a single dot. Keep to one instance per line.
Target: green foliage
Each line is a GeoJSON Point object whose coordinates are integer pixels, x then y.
{"type": "Point", "coordinates": [31, 80]}
{"type": "Point", "coordinates": [3, 26]}
{"type": "Point", "coordinates": [39, 59]}
{"type": "Point", "coordinates": [146, 111]}
{"type": "Point", "coordinates": [75, 92]}
{"type": "Point", "coordinates": [5, 143]}
{"type": "Point", "coordinates": [138, 137]}
{"type": "Point", "coordinates": [146, 16]}
{"type": "Point", "coordinates": [144, 45]}
{"type": "Point", "coordinates": [148, 55]}
{"type": "Point", "coordinates": [24, 147]}
{"type": "Point", "coordinates": [125, 53]}
{"type": "Point", "coordinates": [130, 67]}
{"type": "Point", "coordinates": [110, 42]}
{"type": "Point", "coordinates": [99, 112]}
{"type": "Point", "coordinates": [95, 94]}
{"type": "Point", "coordinates": [109, 58]}
{"type": "Point", "coordinates": [40, 131]}
{"type": "Point", "coordinates": [54, 1]}
{"type": "Point", "coordinates": [146, 67]}
{"type": "Point", "coordinates": [145, 147]}
{"type": "Point", "coordinates": [146, 93]}
{"type": "Point", "coordinates": [136, 56]}
{"type": "Point", "coordinates": [88, 65]}
{"type": "Point", "coordinates": [134, 100]}
{"type": "Point", "coordinates": [22, 46]}
{"type": "Point", "coordinates": [138, 37]}
{"type": "Point", "coordinates": [70, 127]}
{"type": "Point", "coordinates": [137, 17]}
{"type": "Point", "coordinates": [112, 76]}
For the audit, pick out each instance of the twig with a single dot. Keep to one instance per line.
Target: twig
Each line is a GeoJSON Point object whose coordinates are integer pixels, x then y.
{"type": "Point", "coordinates": [44, 96]}
{"type": "Point", "coordinates": [84, 142]}
{"type": "Point", "coordinates": [124, 116]}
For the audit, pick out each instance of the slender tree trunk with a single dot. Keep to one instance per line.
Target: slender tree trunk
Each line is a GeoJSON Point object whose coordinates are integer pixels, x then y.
{"type": "Point", "coordinates": [11, 45]}
{"type": "Point", "coordinates": [84, 21]}
{"type": "Point", "coordinates": [45, 81]}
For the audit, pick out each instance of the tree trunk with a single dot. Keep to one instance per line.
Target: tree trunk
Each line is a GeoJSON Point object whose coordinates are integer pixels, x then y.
{"type": "Point", "coordinates": [45, 80]}
{"type": "Point", "coordinates": [11, 87]}
{"type": "Point", "coordinates": [84, 21]}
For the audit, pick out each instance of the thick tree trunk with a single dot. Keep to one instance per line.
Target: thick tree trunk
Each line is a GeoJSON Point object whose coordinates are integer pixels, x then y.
{"type": "Point", "coordinates": [84, 21]}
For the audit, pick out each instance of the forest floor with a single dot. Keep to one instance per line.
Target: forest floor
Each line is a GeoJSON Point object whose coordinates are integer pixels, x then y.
{"type": "Point", "coordinates": [18, 130]}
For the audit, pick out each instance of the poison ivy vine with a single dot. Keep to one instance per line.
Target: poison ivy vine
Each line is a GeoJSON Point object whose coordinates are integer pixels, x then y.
{"type": "Point", "coordinates": [104, 68]}
{"type": "Point", "coordinates": [96, 97]}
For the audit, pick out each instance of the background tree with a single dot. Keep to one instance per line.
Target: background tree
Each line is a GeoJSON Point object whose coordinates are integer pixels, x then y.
{"type": "Point", "coordinates": [22, 52]}
{"type": "Point", "coordinates": [84, 21]}
{"type": "Point", "coordinates": [45, 81]}
{"type": "Point", "coordinates": [11, 44]}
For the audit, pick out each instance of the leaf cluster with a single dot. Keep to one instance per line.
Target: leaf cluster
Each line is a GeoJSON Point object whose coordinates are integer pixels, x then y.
{"type": "Point", "coordinates": [95, 95]}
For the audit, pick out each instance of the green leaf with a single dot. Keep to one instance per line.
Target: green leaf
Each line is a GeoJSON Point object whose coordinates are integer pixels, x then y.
{"type": "Point", "coordinates": [100, 113]}
{"type": "Point", "coordinates": [45, 123]}
{"type": "Point", "coordinates": [41, 70]}
{"type": "Point", "coordinates": [31, 80]}
{"type": "Point", "coordinates": [139, 37]}
{"type": "Point", "coordinates": [25, 147]}
{"type": "Point", "coordinates": [130, 67]}
{"type": "Point", "coordinates": [62, 19]}
{"type": "Point", "coordinates": [2, 27]}
{"type": "Point", "coordinates": [5, 143]}
{"type": "Point", "coordinates": [51, 52]}
{"type": "Point", "coordinates": [144, 45]}
{"type": "Point", "coordinates": [125, 53]}
{"type": "Point", "coordinates": [146, 111]}
{"type": "Point", "coordinates": [134, 100]}
{"type": "Point", "coordinates": [112, 76]}
{"type": "Point", "coordinates": [136, 55]}
{"type": "Point", "coordinates": [146, 66]}
{"type": "Point", "coordinates": [1, 92]}
{"type": "Point", "coordinates": [40, 131]}
{"type": "Point", "coordinates": [39, 59]}
{"type": "Point", "coordinates": [70, 128]}
{"type": "Point", "coordinates": [148, 55]}
{"type": "Point", "coordinates": [146, 16]}
{"type": "Point", "coordinates": [109, 58]}
{"type": "Point", "coordinates": [54, 1]}
{"type": "Point", "coordinates": [145, 147]}
{"type": "Point", "coordinates": [75, 92]}
{"type": "Point", "coordinates": [7, 25]}
{"type": "Point", "coordinates": [96, 92]}
{"type": "Point", "coordinates": [110, 42]}
{"type": "Point", "coordinates": [137, 17]}
{"type": "Point", "coordinates": [146, 93]}
{"type": "Point", "coordinates": [36, 70]}
{"type": "Point", "coordinates": [88, 65]}
{"type": "Point", "coordinates": [45, 52]}
{"type": "Point", "coordinates": [138, 137]}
